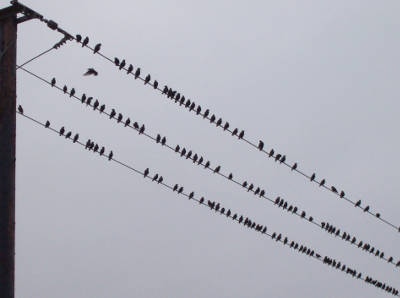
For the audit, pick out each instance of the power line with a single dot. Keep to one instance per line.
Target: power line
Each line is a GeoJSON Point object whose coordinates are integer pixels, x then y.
{"type": "Point", "coordinates": [192, 156]}
{"type": "Point", "coordinates": [262, 229]}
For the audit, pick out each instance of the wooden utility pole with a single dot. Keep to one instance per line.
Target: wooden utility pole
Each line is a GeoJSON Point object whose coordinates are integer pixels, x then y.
{"type": "Point", "coordinates": [8, 42]}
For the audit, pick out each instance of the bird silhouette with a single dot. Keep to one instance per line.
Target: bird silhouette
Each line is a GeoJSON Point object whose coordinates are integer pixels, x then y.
{"type": "Point", "coordinates": [146, 172]}
{"type": "Point", "coordinates": [216, 170]}
{"type": "Point", "coordinates": [127, 122]}
{"type": "Point", "coordinates": [88, 144]}
{"type": "Point", "coordinates": [113, 113]}
{"type": "Point", "coordinates": [96, 105]}
{"type": "Point", "coordinates": [283, 159]}
{"type": "Point", "coordinates": [226, 126]}
{"type": "Point", "coordinates": [53, 82]}
{"type": "Point", "coordinates": [160, 180]}
{"type": "Point", "coordinates": [147, 79]}
{"type": "Point", "coordinates": [198, 110]}
{"type": "Point", "coordinates": [102, 108]}
{"type": "Point", "coordinates": [189, 154]}
{"type": "Point", "coordinates": [110, 156]}
{"type": "Point", "coordinates": [122, 64]}
{"type": "Point", "coordinates": [219, 122]}
{"type": "Point", "coordinates": [85, 41]}
{"type": "Point", "coordinates": [183, 152]}
{"type": "Point", "coordinates": [155, 84]}
{"type": "Point", "coordinates": [47, 124]}
{"type": "Point", "coordinates": [241, 135]}
{"type": "Point", "coordinates": [177, 148]}
{"type": "Point", "coordinates": [207, 165]}
{"type": "Point", "coordinates": [119, 118]}
{"type": "Point", "coordinates": [378, 215]}
{"type": "Point", "coordinates": [20, 109]}
{"type": "Point", "coordinates": [262, 193]}
{"type": "Point", "coordinates": [130, 69]}
{"type": "Point", "coordinates": [136, 125]}
{"type": "Point", "coordinates": [212, 119]}
{"type": "Point", "coordinates": [76, 137]}
{"type": "Point", "coordinates": [342, 194]}
{"type": "Point", "coordinates": [163, 141]}
{"type": "Point", "coordinates": [333, 189]}
{"type": "Point", "coordinates": [206, 113]}
{"type": "Point", "coordinates": [165, 90]}
{"type": "Point", "coordinates": [257, 191]}
{"type": "Point", "coordinates": [180, 190]}
{"type": "Point", "coordinates": [271, 153]}
{"type": "Point", "coordinates": [251, 186]}
{"type": "Point", "coordinates": [142, 128]}
{"type": "Point", "coordinates": [91, 71]}
{"type": "Point", "coordinates": [116, 61]}
{"type": "Point", "coordinates": [322, 182]}
{"type": "Point", "coordinates": [102, 150]}
{"type": "Point", "coordinates": [201, 200]}
{"type": "Point", "coordinates": [312, 177]}
{"type": "Point", "coordinates": [244, 184]}
{"type": "Point", "coordinates": [200, 160]}
{"type": "Point", "coordinates": [230, 176]}
{"type": "Point", "coordinates": [175, 187]}
{"type": "Point", "coordinates": [195, 157]}
{"type": "Point", "coordinates": [192, 106]}
{"type": "Point", "coordinates": [137, 72]}
{"type": "Point", "coordinates": [88, 101]}
{"type": "Point", "coordinates": [191, 195]}
{"type": "Point", "coordinates": [366, 209]}
{"type": "Point", "coordinates": [294, 167]}
{"type": "Point", "coordinates": [62, 130]}
{"type": "Point", "coordinates": [158, 138]}
{"type": "Point", "coordinates": [65, 89]}
{"type": "Point", "coordinates": [277, 157]}
{"type": "Point", "coordinates": [78, 38]}
{"type": "Point", "coordinates": [96, 147]}
{"type": "Point", "coordinates": [72, 92]}
{"type": "Point", "coordinates": [358, 203]}
{"type": "Point", "coordinates": [83, 98]}
{"type": "Point", "coordinates": [97, 48]}
{"type": "Point", "coordinates": [260, 145]}
{"type": "Point", "coordinates": [155, 177]}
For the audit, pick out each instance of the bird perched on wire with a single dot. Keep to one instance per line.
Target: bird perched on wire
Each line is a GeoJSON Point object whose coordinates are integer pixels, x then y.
{"type": "Point", "coordinates": [97, 48]}
{"type": "Point", "coordinates": [85, 42]}
{"type": "Point", "coordinates": [91, 71]}
{"type": "Point", "coordinates": [20, 109]}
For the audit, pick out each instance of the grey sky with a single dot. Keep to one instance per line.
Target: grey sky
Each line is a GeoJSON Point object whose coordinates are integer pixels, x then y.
{"type": "Point", "coordinates": [316, 80]}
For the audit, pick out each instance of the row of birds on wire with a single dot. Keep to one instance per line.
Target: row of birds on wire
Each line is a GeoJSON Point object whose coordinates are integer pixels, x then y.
{"type": "Point", "coordinates": [187, 154]}
{"type": "Point", "coordinates": [218, 208]}
{"type": "Point", "coordinates": [177, 97]}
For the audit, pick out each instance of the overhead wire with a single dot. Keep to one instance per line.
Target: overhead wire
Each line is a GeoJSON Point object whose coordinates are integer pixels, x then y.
{"type": "Point", "coordinates": [197, 158]}
{"type": "Point", "coordinates": [218, 208]}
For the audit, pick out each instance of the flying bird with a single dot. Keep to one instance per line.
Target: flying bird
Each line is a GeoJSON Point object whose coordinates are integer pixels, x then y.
{"type": "Point", "coordinates": [91, 71]}
{"type": "Point", "coordinates": [97, 48]}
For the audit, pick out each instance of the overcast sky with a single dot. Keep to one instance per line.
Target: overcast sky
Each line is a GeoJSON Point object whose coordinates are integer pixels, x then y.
{"type": "Point", "coordinates": [316, 80]}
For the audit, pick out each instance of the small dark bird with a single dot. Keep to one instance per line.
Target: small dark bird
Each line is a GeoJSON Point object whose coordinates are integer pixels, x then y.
{"type": "Point", "coordinates": [187, 104]}
{"type": "Point", "coordinates": [85, 41]}
{"type": "Point", "coordinates": [200, 160]}
{"type": "Point", "coordinates": [322, 182]}
{"type": "Point", "coordinates": [88, 144]}
{"type": "Point", "coordinates": [177, 148]}
{"type": "Point", "coordinates": [358, 203]}
{"type": "Point", "coordinates": [261, 145]}
{"type": "Point", "coordinates": [216, 170]}
{"type": "Point", "coordinates": [198, 110]}
{"type": "Point", "coordinates": [262, 193]}
{"type": "Point", "coordinates": [76, 137]}
{"type": "Point", "coordinates": [195, 157]}
{"type": "Point", "coordinates": [189, 154]}
{"type": "Point", "coordinates": [207, 165]}
{"type": "Point", "coordinates": [303, 214]}
{"type": "Point", "coordinates": [234, 132]}
{"type": "Point", "coordinates": [72, 92]}
{"type": "Point", "coordinates": [334, 189]}
{"type": "Point", "coordinates": [191, 195]}
{"type": "Point", "coordinates": [122, 64]}
{"type": "Point", "coordinates": [277, 157]}
{"type": "Point", "coordinates": [136, 125]}
{"type": "Point", "coordinates": [113, 113]}
{"type": "Point", "coordinates": [342, 194]}
{"type": "Point", "coordinates": [97, 48]}
{"type": "Point", "coordinates": [241, 135]}
{"type": "Point", "coordinates": [53, 82]}
{"type": "Point", "coordinates": [119, 118]}
{"type": "Point", "coordinates": [244, 184]}
{"type": "Point", "coordinates": [175, 187]}
{"type": "Point", "coordinates": [271, 153]}
{"type": "Point", "coordinates": [201, 200]}
{"type": "Point", "coordinates": [219, 122]}
{"type": "Point", "coordinates": [88, 101]}
{"type": "Point", "coordinates": [366, 209]}
{"type": "Point", "coordinates": [312, 177]}
{"type": "Point", "coordinates": [137, 72]}
{"type": "Point", "coordinates": [165, 90]}
{"type": "Point", "coordinates": [295, 209]}
{"type": "Point", "coordinates": [78, 38]}
{"type": "Point", "coordinates": [62, 130]}
{"type": "Point", "coordinates": [294, 167]}
{"type": "Point", "coordinates": [230, 176]}
{"type": "Point", "coordinates": [116, 61]}
{"type": "Point", "coordinates": [146, 172]}
{"type": "Point", "coordinates": [155, 84]}
{"type": "Point", "coordinates": [283, 159]}
{"type": "Point", "coordinates": [226, 126]}
{"type": "Point", "coordinates": [68, 135]}
{"type": "Point", "coordinates": [155, 177]}
{"type": "Point", "coordinates": [102, 108]}
{"type": "Point", "coordinates": [96, 147]}
{"type": "Point", "coordinates": [250, 187]}
{"type": "Point", "coordinates": [102, 151]}
{"type": "Point", "coordinates": [206, 113]}
{"type": "Point", "coordinates": [127, 122]}
{"type": "Point", "coordinates": [158, 138]}
{"type": "Point", "coordinates": [91, 71]}
{"type": "Point", "coordinates": [141, 129]}
{"type": "Point", "coordinates": [20, 109]}
{"type": "Point", "coordinates": [160, 180]}
{"type": "Point", "coordinates": [83, 98]}
{"type": "Point", "coordinates": [65, 89]}
{"type": "Point", "coordinates": [147, 79]}
{"type": "Point", "coordinates": [163, 141]}
{"type": "Point", "coordinates": [180, 190]}
{"type": "Point", "coordinates": [212, 119]}
{"type": "Point", "coordinates": [378, 215]}
{"type": "Point", "coordinates": [96, 105]}
{"type": "Point", "coordinates": [192, 106]}
{"type": "Point", "coordinates": [110, 156]}
{"type": "Point", "coordinates": [47, 125]}
{"type": "Point", "coordinates": [183, 152]}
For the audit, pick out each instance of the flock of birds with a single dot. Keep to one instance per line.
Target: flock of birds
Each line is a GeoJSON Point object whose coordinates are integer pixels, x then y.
{"type": "Point", "coordinates": [191, 106]}
{"type": "Point", "coordinates": [179, 98]}
{"type": "Point", "coordinates": [199, 160]}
